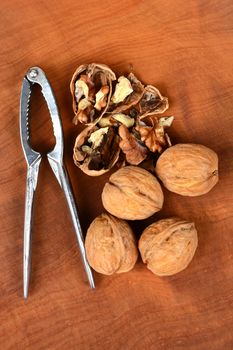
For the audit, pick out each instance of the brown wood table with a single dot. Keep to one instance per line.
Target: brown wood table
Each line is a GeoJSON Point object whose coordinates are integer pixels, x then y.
{"type": "Point", "coordinates": [185, 48]}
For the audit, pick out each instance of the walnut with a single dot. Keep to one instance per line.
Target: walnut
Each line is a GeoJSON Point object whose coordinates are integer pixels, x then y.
{"type": "Point", "coordinates": [135, 152]}
{"type": "Point", "coordinates": [168, 246]}
{"type": "Point", "coordinates": [188, 169]}
{"type": "Point", "coordinates": [110, 245]}
{"type": "Point", "coordinates": [96, 150]}
{"type": "Point", "coordinates": [92, 82]}
{"type": "Point", "coordinates": [132, 193]}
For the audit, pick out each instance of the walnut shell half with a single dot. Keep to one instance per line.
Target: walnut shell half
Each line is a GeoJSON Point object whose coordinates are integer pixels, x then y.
{"type": "Point", "coordinates": [96, 150]}
{"type": "Point", "coordinates": [168, 246]}
{"type": "Point", "coordinates": [91, 89]}
{"type": "Point", "coordinates": [152, 102]}
{"type": "Point", "coordinates": [132, 193]}
{"type": "Point", "coordinates": [110, 245]}
{"type": "Point", "coordinates": [188, 169]}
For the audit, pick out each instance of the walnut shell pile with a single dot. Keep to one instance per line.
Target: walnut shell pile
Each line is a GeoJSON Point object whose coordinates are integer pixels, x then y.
{"type": "Point", "coordinates": [110, 245]}
{"type": "Point", "coordinates": [91, 89]}
{"type": "Point", "coordinates": [168, 246]}
{"type": "Point", "coordinates": [124, 110]}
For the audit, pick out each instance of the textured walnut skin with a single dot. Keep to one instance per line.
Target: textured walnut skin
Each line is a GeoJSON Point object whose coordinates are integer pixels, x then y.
{"type": "Point", "coordinates": [188, 169]}
{"type": "Point", "coordinates": [132, 193]}
{"type": "Point", "coordinates": [110, 245]}
{"type": "Point", "coordinates": [168, 246]}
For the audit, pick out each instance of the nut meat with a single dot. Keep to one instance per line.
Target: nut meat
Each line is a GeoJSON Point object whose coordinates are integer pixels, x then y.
{"type": "Point", "coordinates": [110, 245]}
{"type": "Point", "coordinates": [132, 193]}
{"type": "Point", "coordinates": [168, 246]}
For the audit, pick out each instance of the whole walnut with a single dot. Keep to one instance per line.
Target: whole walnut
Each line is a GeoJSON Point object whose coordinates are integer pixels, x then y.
{"type": "Point", "coordinates": [132, 193]}
{"type": "Point", "coordinates": [188, 169]}
{"type": "Point", "coordinates": [110, 245]}
{"type": "Point", "coordinates": [168, 246]}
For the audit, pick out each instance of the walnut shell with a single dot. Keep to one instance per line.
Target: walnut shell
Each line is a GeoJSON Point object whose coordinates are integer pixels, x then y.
{"type": "Point", "coordinates": [96, 160]}
{"type": "Point", "coordinates": [110, 245]}
{"type": "Point", "coordinates": [188, 169]}
{"type": "Point", "coordinates": [99, 79]}
{"type": "Point", "coordinates": [152, 102]}
{"type": "Point", "coordinates": [132, 193]}
{"type": "Point", "coordinates": [168, 246]}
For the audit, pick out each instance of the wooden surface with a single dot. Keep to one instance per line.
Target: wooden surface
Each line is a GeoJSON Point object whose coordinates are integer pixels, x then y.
{"type": "Point", "coordinates": [186, 49]}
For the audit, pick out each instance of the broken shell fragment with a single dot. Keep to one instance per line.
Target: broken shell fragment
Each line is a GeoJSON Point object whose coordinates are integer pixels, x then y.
{"type": "Point", "coordinates": [152, 102]}
{"type": "Point", "coordinates": [92, 82]}
{"type": "Point", "coordinates": [96, 150]}
{"type": "Point", "coordinates": [141, 102]}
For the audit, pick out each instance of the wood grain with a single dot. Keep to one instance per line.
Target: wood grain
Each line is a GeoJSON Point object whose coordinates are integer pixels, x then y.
{"type": "Point", "coordinates": [184, 48]}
